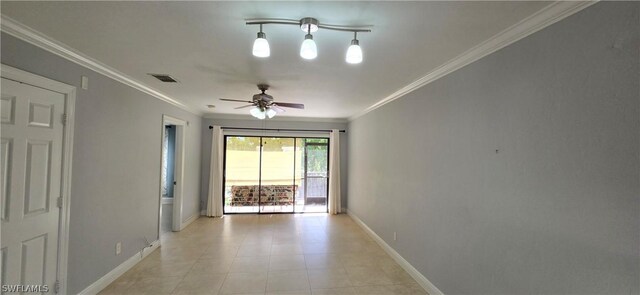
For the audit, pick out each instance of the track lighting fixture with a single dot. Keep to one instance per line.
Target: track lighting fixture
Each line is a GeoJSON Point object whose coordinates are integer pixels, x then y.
{"type": "Point", "coordinates": [354, 52]}
{"type": "Point", "coordinates": [261, 45]}
{"type": "Point", "coordinates": [309, 49]}
{"type": "Point", "coordinates": [309, 25]}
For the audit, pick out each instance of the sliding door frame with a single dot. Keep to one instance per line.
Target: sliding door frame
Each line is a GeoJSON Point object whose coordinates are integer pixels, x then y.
{"type": "Point", "coordinates": [224, 173]}
{"type": "Point", "coordinates": [306, 177]}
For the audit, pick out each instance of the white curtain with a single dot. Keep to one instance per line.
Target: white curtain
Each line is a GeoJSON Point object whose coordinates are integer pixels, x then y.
{"type": "Point", "coordinates": [214, 204]}
{"type": "Point", "coordinates": [334, 173]}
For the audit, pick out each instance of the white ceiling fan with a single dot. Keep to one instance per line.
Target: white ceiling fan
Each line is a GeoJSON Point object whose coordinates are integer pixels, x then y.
{"type": "Point", "coordinates": [263, 104]}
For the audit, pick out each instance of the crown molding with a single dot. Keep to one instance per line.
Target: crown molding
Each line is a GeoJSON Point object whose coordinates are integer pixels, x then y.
{"type": "Point", "coordinates": [34, 37]}
{"type": "Point", "coordinates": [219, 116]}
{"type": "Point", "coordinates": [543, 18]}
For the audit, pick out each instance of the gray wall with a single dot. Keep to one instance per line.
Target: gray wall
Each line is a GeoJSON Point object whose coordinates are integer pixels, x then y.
{"type": "Point", "coordinates": [518, 174]}
{"type": "Point", "coordinates": [275, 124]}
{"type": "Point", "coordinates": [115, 194]}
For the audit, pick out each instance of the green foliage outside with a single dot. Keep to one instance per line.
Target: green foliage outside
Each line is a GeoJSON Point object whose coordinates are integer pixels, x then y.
{"type": "Point", "coordinates": [316, 148]}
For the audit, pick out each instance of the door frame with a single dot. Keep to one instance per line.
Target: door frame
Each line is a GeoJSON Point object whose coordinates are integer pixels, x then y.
{"type": "Point", "coordinates": [69, 93]}
{"type": "Point", "coordinates": [224, 170]}
{"type": "Point", "coordinates": [178, 171]}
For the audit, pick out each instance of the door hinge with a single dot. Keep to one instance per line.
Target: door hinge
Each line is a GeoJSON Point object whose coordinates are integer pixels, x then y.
{"type": "Point", "coordinates": [60, 202]}
{"type": "Point", "coordinates": [64, 119]}
{"type": "Point", "coordinates": [56, 287]}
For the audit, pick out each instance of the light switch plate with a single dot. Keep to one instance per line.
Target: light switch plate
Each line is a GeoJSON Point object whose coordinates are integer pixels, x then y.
{"type": "Point", "coordinates": [84, 82]}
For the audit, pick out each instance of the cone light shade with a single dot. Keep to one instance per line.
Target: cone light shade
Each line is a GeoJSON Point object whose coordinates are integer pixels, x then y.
{"type": "Point", "coordinates": [270, 113]}
{"type": "Point", "coordinates": [354, 53]}
{"type": "Point", "coordinates": [308, 50]}
{"type": "Point", "coordinates": [261, 46]}
{"type": "Point", "coordinates": [258, 113]}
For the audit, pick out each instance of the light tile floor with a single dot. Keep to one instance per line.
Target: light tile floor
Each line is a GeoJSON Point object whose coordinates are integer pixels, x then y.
{"type": "Point", "coordinates": [267, 254]}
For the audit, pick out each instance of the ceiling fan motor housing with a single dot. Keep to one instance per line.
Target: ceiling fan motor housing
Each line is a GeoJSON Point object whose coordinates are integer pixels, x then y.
{"type": "Point", "coordinates": [262, 97]}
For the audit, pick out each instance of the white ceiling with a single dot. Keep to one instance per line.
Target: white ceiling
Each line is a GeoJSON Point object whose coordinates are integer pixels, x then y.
{"type": "Point", "coordinates": [207, 46]}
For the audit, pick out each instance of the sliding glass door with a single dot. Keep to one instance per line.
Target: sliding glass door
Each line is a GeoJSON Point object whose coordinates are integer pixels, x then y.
{"type": "Point", "coordinates": [275, 174]}
{"type": "Point", "coordinates": [314, 176]}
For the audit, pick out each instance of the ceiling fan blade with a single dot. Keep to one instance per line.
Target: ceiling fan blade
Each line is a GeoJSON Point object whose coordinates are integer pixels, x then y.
{"type": "Point", "coordinates": [236, 100]}
{"type": "Point", "coordinates": [242, 107]}
{"type": "Point", "coordinates": [290, 105]}
{"type": "Point", "coordinates": [277, 109]}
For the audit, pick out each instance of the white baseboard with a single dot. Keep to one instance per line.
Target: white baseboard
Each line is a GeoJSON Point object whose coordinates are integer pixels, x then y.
{"type": "Point", "coordinates": [412, 271]}
{"type": "Point", "coordinates": [111, 276]}
{"type": "Point", "coordinates": [189, 221]}
{"type": "Point", "coordinates": [203, 212]}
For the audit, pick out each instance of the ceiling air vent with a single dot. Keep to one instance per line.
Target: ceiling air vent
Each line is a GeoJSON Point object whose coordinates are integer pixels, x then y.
{"type": "Point", "coordinates": [164, 78]}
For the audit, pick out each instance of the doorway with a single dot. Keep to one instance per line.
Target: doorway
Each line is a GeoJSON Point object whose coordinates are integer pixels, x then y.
{"type": "Point", "coordinates": [168, 180]}
{"type": "Point", "coordinates": [171, 174]}
{"type": "Point", "coordinates": [275, 174]}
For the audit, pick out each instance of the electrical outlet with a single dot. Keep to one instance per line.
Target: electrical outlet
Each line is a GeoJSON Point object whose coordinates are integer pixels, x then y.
{"type": "Point", "coordinates": [395, 236]}
{"type": "Point", "coordinates": [118, 248]}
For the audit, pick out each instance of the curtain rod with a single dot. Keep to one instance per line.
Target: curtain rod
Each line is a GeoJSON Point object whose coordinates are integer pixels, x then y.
{"type": "Point", "coordinates": [269, 129]}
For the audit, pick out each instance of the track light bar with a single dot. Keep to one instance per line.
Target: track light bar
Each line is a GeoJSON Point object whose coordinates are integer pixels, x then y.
{"type": "Point", "coordinates": [305, 21]}
{"type": "Point", "coordinates": [308, 50]}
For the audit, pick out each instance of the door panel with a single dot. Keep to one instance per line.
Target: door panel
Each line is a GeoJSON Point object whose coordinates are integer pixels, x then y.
{"type": "Point", "coordinates": [34, 259]}
{"type": "Point", "coordinates": [241, 174]}
{"type": "Point", "coordinates": [36, 197]}
{"type": "Point", "coordinates": [5, 161]}
{"type": "Point", "coordinates": [31, 163]}
{"type": "Point", "coordinates": [7, 108]}
{"type": "Point", "coordinates": [277, 175]}
{"type": "Point", "coordinates": [40, 115]}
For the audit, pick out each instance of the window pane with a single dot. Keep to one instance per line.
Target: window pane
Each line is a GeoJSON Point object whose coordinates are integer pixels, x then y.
{"type": "Point", "coordinates": [277, 189]}
{"type": "Point", "coordinates": [242, 174]}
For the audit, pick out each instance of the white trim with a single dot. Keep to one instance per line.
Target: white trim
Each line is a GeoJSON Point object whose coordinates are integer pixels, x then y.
{"type": "Point", "coordinates": [114, 274]}
{"type": "Point", "coordinates": [67, 156]}
{"type": "Point", "coordinates": [189, 221]}
{"type": "Point", "coordinates": [219, 116]}
{"type": "Point", "coordinates": [412, 271]}
{"type": "Point", "coordinates": [32, 36]}
{"type": "Point", "coordinates": [543, 18]}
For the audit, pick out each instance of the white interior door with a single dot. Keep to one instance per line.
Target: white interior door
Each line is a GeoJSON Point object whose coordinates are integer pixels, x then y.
{"type": "Point", "coordinates": [31, 160]}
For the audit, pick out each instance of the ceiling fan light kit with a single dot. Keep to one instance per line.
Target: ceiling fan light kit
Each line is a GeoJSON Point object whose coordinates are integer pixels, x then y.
{"type": "Point", "coordinates": [263, 106]}
{"type": "Point", "coordinates": [309, 49]}
{"type": "Point", "coordinates": [258, 113]}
